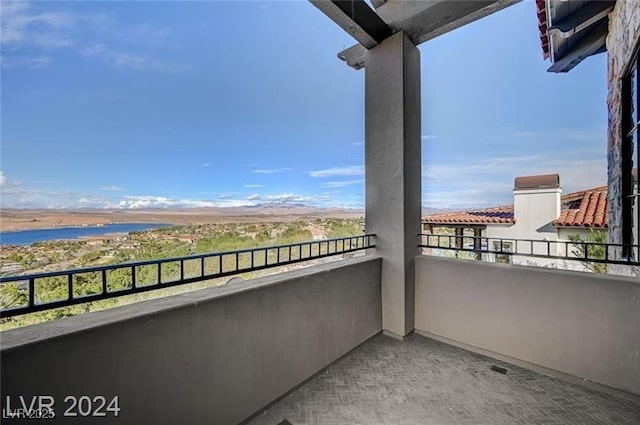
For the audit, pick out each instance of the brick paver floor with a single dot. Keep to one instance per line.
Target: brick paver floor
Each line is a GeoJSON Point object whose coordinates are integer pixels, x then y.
{"type": "Point", "coordinates": [423, 381]}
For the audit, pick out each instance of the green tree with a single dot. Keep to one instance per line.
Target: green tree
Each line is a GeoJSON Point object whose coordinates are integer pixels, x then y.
{"type": "Point", "coordinates": [294, 234]}
{"type": "Point", "coordinates": [594, 248]}
{"type": "Point", "coordinates": [12, 295]}
{"type": "Point", "coordinates": [348, 227]}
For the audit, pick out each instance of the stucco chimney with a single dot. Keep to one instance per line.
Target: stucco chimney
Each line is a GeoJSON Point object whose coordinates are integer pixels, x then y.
{"type": "Point", "coordinates": [536, 203]}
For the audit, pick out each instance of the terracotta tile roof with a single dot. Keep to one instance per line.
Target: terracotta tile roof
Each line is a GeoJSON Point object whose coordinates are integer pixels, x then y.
{"type": "Point", "coordinates": [586, 208]}
{"type": "Point", "coordinates": [496, 215]}
{"type": "Point", "coordinates": [573, 199]}
{"type": "Point", "coordinates": [541, 10]}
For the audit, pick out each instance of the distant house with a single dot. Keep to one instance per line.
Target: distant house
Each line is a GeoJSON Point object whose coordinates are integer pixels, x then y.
{"type": "Point", "coordinates": [541, 217]}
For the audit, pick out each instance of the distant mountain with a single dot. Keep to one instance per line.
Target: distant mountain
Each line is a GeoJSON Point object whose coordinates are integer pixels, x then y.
{"type": "Point", "coordinates": [24, 219]}
{"type": "Point", "coordinates": [431, 210]}
{"type": "Point", "coordinates": [279, 205]}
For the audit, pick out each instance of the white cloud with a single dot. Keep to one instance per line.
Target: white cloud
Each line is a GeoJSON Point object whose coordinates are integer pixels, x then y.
{"type": "Point", "coordinates": [594, 133]}
{"type": "Point", "coordinates": [137, 202]}
{"type": "Point", "coordinates": [9, 187]}
{"type": "Point", "coordinates": [143, 34]}
{"type": "Point", "coordinates": [22, 26]}
{"type": "Point", "coordinates": [479, 195]}
{"type": "Point", "coordinates": [35, 28]}
{"type": "Point", "coordinates": [144, 202]}
{"type": "Point", "coordinates": [285, 198]}
{"type": "Point", "coordinates": [352, 170]}
{"type": "Point", "coordinates": [428, 136]}
{"type": "Point", "coordinates": [271, 170]}
{"type": "Point", "coordinates": [586, 134]}
{"type": "Point", "coordinates": [581, 173]}
{"type": "Point", "coordinates": [15, 195]}
{"type": "Point", "coordinates": [206, 164]}
{"type": "Point", "coordinates": [480, 169]}
{"type": "Point", "coordinates": [342, 183]}
{"type": "Point", "coordinates": [35, 62]}
{"type": "Point", "coordinates": [490, 182]}
{"type": "Point", "coordinates": [253, 186]}
{"type": "Point", "coordinates": [130, 61]}
{"type": "Point", "coordinates": [112, 188]}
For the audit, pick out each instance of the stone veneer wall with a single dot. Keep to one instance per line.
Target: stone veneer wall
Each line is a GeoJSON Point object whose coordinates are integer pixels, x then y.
{"type": "Point", "coordinates": [624, 33]}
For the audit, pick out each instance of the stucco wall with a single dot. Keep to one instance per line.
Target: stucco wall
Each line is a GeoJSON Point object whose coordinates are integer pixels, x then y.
{"type": "Point", "coordinates": [213, 356]}
{"type": "Point", "coordinates": [582, 324]}
{"type": "Point", "coordinates": [534, 210]}
{"type": "Point", "coordinates": [624, 33]}
{"type": "Point", "coordinates": [560, 235]}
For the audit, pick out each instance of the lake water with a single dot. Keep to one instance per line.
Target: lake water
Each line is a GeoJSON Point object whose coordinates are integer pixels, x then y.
{"type": "Point", "coordinates": [27, 237]}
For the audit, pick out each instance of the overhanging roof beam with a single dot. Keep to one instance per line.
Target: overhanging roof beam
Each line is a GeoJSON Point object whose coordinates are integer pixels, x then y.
{"type": "Point", "coordinates": [593, 42]}
{"type": "Point", "coordinates": [354, 56]}
{"type": "Point", "coordinates": [426, 19]}
{"type": "Point", "coordinates": [357, 19]}
{"type": "Point", "coordinates": [582, 18]}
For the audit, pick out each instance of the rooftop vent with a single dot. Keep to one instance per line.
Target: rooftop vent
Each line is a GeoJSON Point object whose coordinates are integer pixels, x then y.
{"type": "Point", "coordinates": [545, 181]}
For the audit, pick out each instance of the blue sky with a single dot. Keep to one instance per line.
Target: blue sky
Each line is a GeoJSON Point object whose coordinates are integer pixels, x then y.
{"type": "Point", "coordinates": [159, 104]}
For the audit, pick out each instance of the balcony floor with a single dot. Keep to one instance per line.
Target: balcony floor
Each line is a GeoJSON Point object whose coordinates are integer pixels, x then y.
{"type": "Point", "coordinates": [423, 381]}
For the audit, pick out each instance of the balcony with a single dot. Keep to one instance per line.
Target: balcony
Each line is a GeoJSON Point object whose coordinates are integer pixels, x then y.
{"type": "Point", "coordinates": [390, 337]}
{"type": "Point", "coordinates": [312, 341]}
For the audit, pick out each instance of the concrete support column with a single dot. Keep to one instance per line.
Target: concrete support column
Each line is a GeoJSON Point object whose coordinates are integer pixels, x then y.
{"type": "Point", "coordinates": [393, 172]}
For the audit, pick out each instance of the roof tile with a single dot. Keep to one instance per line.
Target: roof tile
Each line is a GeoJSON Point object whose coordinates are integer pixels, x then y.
{"type": "Point", "coordinates": [541, 11]}
{"type": "Point", "coordinates": [592, 211]}
{"type": "Point", "coordinates": [496, 215]}
{"type": "Point", "coordinates": [586, 208]}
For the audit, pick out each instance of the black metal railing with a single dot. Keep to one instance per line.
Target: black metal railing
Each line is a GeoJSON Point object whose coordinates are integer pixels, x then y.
{"type": "Point", "coordinates": [44, 291]}
{"type": "Point", "coordinates": [583, 251]}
